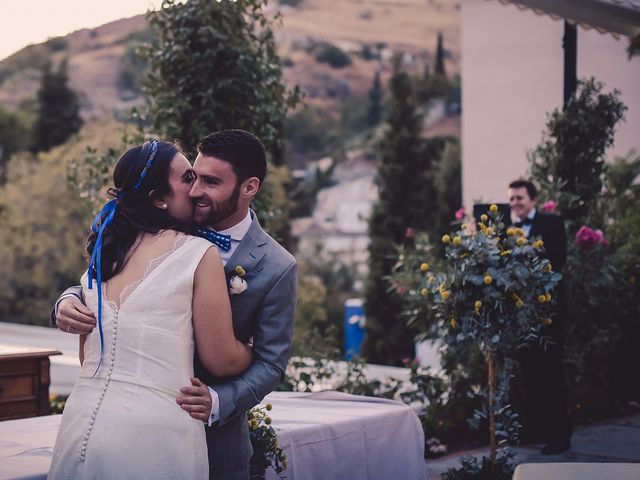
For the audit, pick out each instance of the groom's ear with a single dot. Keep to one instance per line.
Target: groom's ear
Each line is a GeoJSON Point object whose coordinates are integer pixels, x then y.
{"type": "Point", "coordinates": [250, 187]}
{"type": "Point", "coordinates": [157, 200]}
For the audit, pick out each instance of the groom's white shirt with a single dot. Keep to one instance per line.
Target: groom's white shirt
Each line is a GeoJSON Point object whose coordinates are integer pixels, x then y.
{"type": "Point", "coordinates": [237, 232]}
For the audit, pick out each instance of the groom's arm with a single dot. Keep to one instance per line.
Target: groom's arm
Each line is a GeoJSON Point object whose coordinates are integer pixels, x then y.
{"type": "Point", "coordinates": [71, 315]}
{"type": "Point", "coordinates": [71, 292]}
{"type": "Point", "coordinates": [271, 347]}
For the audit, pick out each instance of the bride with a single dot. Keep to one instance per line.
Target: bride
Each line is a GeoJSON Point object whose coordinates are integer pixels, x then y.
{"type": "Point", "coordinates": [158, 293]}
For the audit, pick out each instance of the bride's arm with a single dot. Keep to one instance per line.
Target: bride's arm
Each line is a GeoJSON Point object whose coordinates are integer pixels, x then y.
{"type": "Point", "coordinates": [217, 346]}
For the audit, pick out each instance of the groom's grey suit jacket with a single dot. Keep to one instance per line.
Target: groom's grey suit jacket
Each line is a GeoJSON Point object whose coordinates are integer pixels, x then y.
{"type": "Point", "coordinates": [266, 312]}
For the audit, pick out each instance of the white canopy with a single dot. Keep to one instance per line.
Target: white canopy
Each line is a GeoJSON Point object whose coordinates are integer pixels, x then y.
{"type": "Point", "coordinates": [619, 17]}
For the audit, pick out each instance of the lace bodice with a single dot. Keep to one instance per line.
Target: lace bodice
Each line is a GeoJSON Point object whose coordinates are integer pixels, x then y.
{"type": "Point", "coordinates": [148, 338]}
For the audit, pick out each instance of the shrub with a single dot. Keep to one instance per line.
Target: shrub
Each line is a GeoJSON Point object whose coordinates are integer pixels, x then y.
{"type": "Point", "coordinates": [325, 52]}
{"type": "Point", "coordinates": [494, 293]}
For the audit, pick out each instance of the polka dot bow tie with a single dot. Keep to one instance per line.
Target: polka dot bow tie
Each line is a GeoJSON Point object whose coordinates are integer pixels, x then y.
{"type": "Point", "coordinates": [221, 240]}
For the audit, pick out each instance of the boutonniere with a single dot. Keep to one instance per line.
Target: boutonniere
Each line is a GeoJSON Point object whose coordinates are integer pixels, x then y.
{"type": "Point", "coordinates": [238, 282]}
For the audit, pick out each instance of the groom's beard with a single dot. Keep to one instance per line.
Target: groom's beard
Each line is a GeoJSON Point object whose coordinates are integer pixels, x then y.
{"type": "Point", "coordinates": [221, 210]}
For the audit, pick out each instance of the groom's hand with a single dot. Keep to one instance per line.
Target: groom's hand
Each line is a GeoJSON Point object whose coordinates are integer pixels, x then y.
{"type": "Point", "coordinates": [196, 400]}
{"type": "Point", "coordinates": [74, 317]}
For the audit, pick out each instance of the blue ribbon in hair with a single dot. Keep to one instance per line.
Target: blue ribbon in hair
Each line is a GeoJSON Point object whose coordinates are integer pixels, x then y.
{"type": "Point", "coordinates": [152, 155]}
{"type": "Point", "coordinates": [99, 224]}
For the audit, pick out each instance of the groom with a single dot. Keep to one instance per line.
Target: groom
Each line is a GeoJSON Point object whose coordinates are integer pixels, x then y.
{"type": "Point", "coordinates": [231, 166]}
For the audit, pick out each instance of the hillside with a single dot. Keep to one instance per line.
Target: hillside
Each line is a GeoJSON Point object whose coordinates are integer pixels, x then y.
{"type": "Point", "coordinates": [382, 27]}
{"type": "Point", "coordinates": [94, 57]}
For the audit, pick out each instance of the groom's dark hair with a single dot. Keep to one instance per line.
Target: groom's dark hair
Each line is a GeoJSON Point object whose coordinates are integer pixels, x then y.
{"type": "Point", "coordinates": [243, 150]}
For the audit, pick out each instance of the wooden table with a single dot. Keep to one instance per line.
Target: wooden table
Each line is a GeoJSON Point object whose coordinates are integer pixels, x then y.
{"type": "Point", "coordinates": [24, 381]}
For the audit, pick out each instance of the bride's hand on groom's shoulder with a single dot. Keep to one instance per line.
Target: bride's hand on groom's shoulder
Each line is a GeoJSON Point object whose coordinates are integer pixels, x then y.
{"type": "Point", "coordinates": [74, 317]}
{"type": "Point", "coordinates": [196, 400]}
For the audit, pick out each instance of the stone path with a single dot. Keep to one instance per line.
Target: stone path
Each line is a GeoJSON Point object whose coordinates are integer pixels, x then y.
{"type": "Point", "coordinates": [615, 440]}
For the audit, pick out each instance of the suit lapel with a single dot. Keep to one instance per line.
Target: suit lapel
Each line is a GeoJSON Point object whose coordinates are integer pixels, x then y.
{"type": "Point", "coordinates": [250, 251]}
{"type": "Point", "coordinates": [535, 226]}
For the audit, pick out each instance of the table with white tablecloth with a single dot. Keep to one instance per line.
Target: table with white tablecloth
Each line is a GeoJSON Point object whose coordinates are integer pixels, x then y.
{"type": "Point", "coordinates": [325, 436]}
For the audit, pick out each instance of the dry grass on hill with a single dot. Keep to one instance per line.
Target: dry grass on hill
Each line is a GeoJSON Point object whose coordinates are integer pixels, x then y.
{"type": "Point", "coordinates": [403, 25]}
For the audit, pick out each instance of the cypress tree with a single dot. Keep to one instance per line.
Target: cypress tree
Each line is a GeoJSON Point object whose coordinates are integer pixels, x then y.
{"type": "Point", "coordinates": [58, 110]}
{"type": "Point", "coordinates": [439, 69]}
{"type": "Point", "coordinates": [375, 99]}
{"type": "Point", "coordinates": [406, 200]}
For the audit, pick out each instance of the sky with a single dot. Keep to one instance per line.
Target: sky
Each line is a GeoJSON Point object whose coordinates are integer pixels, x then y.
{"type": "Point", "coordinates": [23, 22]}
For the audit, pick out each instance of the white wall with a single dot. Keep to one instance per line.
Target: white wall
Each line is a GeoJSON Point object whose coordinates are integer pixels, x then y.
{"type": "Point", "coordinates": [512, 74]}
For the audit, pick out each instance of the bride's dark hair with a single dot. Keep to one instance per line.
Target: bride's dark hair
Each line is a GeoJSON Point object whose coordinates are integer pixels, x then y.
{"type": "Point", "coordinates": [135, 211]}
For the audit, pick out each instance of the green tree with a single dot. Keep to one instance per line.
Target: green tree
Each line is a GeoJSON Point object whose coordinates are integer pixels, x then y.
{"type": "Point", "coordinates": [375, 98]}
{"type": "Point", "coordinates": [43, 227]}
{"type": "Point", "coordinates": [58, 110]}
{"type": "Point", "coordinates": [569, 163]}
{"type": "Point", "coordinates": [448, 184]}
{"type": "Point", "coordinates": [440, 70]}
{"type": "Point", "coordinates": [14, 136]}
{"type": "Point", "coordinates": [406, 200]}
{"type": "Point", "coordinates": [213, 66]}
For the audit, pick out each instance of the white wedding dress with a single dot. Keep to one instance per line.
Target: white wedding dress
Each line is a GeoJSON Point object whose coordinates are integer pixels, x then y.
{"type": "Point", "coordinates": [124, 423]}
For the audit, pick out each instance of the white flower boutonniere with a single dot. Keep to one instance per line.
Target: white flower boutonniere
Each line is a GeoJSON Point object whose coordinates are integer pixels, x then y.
{"type": "Point", "coordinates": [237, 284]}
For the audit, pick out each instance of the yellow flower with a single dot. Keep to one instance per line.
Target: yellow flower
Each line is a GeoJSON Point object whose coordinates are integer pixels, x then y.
{"type": "Point", "coordinates": [463, 226]}
{"type": "Point", "coordinates": [267, 420]}
{"type": "Point", "coordinates": [431, 279]}
{"type": "Point", "coordinates": [493, 208]}
{"type": "Point", "coordinates": [511, 231]}
{"type": "Point", "coordinates": [542, 298]}
{"type": "Point", "coordinates": [424, 292]}
{"type": "Point", "coordinates": [454, 323]}
{"type": "Point", "coordinates": [490, 231]}
{"type": "Point", "coordinates": [446, 239]}
{"type": "Point", "coordinates": [484, 218]}
{"type": "Point", "coordinates": [546, 322]}
{"type": "Point", "coordinates": [520, 231]}
{"type": "Point", "coordinates": [487, 279]}
{"type": "Point", "coordinates": [519, 303]}
{"type": "Point", "coordinates": [52, 396]}
{"type": "Point", "coordinates": [424, 266]}
{"type": "Point", "coordinates": [504, 253]}
{"type": "Point", "coordinates": [456, 240]}
{"type": "Point", "coordinates": [549, 267]}
{"type": "Point", "coordinates": [477, 305]}
{"type": "Point", "coordinates": [539, 244]}
{"type": "Point", "coordinates": [547, 297]}
{"type": "Point", "coordinates": [269, 407]}
{"type": "Point", "coordinates": [240, 271]}
{"type": "Point", "coordinates": [445, 294]}
{"type": "Point", "coordinates": [521, 241]}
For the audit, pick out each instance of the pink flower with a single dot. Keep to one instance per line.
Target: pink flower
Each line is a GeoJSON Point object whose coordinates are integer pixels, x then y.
{"type": "Point", "coordinates": [549, 206]}
{"type": "Point", "coordinates": [460, 213]}
{"type": "Point", "coordinates": [409, 232]}
{"type": "Point", "coordinates": [401, 290]}
{"type": "Point", "coordinates": [587, 238]}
